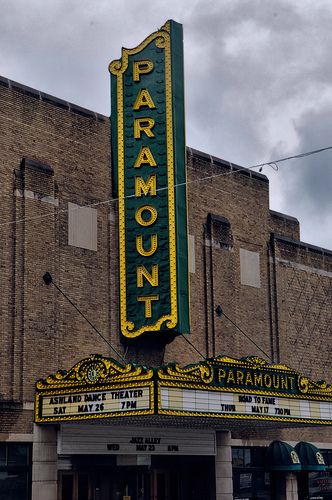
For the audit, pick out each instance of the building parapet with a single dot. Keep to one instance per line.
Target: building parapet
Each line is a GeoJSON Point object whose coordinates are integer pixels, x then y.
{"type": "Point", "coordinates": [284, 217]}
{"type": "Point", "coordinates": [55, 101]}
{"type": "Point", "coordinates": [219, 162]}
{"type": "Point", "coordinates": [302, 245]}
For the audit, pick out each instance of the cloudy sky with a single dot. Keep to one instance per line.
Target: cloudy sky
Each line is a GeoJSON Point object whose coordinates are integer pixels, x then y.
{"type": "Point", "coordinates": [258, 79]}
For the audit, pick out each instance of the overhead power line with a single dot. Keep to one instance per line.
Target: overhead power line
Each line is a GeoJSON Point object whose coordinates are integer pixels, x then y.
{"type": "Point", "coordinates": [48, 280]}
{"type": "Point", "coordinates": [220, 312]}
{"type": "Point", "coordinates": [235, 170]}
{"type": "Point", "coordinates": [192, 345]}
{"type": "Point", "coordinates": [300, 155]}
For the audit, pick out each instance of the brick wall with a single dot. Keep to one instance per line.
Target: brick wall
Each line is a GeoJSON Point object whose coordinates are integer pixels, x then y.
{"type": "Point", "coordinates": [242, 199]}
{"type": "Point", "coordinates": [304, 315]}
{"type": "Point", "coordinates": [40, 330]}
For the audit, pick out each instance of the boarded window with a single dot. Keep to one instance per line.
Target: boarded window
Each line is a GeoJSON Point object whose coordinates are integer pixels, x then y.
{"type": "Point", "coordinates": [82, 227]}
{"type": "Point", "coordinates": [220, 232]}
{"type": "Point", "coordinates": [250, 272]}
{"type": "Point", "coordinates": [192, 261]}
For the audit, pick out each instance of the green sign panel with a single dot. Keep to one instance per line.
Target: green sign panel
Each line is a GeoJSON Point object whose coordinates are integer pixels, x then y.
{"type": "Point", "coordinates": [148, 151]}
{"type": "Point", "coordinates": [243, 389]}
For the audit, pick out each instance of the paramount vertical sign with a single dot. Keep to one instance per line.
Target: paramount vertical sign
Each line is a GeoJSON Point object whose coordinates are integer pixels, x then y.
{"type": "Point", "coordinates": [148, 151]}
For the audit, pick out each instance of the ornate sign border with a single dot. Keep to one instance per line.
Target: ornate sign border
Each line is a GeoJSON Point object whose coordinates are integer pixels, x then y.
{"type": "Point", "coordinates": [202, 376]}
{"type": "Point", "coordinates": [173, 319]}
{"type": "Point", "coordinates": [96, 374]}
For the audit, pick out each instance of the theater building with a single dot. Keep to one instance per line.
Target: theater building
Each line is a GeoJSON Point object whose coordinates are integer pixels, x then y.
{"type": "Point", "coordinates": [116, 386]}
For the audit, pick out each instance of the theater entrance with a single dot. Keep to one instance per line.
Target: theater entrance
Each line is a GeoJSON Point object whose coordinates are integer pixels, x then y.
{"type": "Point", "coordinates": [178, 478]}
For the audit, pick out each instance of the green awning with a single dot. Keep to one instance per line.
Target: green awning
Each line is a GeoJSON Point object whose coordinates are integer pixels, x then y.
{"type": "Point", "coordinates": [282, 456]}
{"type": "Point", "coordinates": [310, 457]}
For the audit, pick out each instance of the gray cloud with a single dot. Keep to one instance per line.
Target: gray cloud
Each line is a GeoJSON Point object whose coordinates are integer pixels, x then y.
{"type": "Point", "coordinates": [252, 66]}
{"type": "Point", "coordinates": [308, 183]}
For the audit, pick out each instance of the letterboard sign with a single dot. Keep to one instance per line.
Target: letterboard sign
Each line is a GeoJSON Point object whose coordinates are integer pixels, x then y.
{"type": "Point", "coordinates": [248, 405]}
{"type": "Point", "coordinates": [94, 388]}
{"type": "Point", "coordinates": [246, 389]}
{"type": "Point", "coordinates": [127, 399]}
{"type": "Point", "coordinates": [108, 440]}
{"type": "Point", "coordinates": [221, 387]}
{"type": "Point", "coordinates": [149, 180]}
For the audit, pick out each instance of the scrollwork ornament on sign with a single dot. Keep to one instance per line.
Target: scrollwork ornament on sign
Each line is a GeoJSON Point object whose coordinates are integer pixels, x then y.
{"type": "Point", "coordinates": [303, 384]}
{"type": "Point", "coordinates": [93, 374]}
{"type": "Point", "coordinates": [95, 370]}
{"type": "Point", "coordinates": [192, 373]}
{"type": "Point", "coordinates": [160, 42]}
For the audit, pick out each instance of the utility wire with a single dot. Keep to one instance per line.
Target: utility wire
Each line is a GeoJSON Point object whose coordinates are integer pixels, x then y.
{"type": "Point", "coordinates": [235, 169]}
{"type": "Point", "coordinates": [192, 345]}
{"type": "Point", "coordinates": [220, 313]}
{"type": "Point", "coordinates": [300, 155]}
{"type": "Point", "coordinates": [49, 280]}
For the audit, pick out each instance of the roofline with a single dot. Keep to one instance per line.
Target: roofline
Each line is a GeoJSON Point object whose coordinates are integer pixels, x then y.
{"type": "Point", "coordinates": [233, 167]}
{"type": "Point", "coordinates": [280, 215]}
{"type": "Point", "coordinates": [301, 244]}
{"type": "Point", "coordinates": [50, 99]}
{"type": "Point", "coordinates": [55, 101]}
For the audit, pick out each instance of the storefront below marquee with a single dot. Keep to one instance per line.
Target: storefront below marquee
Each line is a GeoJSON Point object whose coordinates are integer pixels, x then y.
{"type": "Point", "coordinates": [106, 461]}
{"type": "Point", "coordinates": [102, 462]}
{"type": "Point", "coordinates": [254, 479]}
{"type": "Point", "coordinates": [161, 478]}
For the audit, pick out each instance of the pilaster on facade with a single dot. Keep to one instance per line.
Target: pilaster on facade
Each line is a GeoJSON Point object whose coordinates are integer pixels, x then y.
{"type": "Point", "coordinates": [223, 464]}
{"type": "Point", "coordinates": [44, 463]}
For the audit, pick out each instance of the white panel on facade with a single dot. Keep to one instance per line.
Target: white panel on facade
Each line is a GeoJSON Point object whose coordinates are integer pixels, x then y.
{"type": "Point", "coordinates": [325, 410]}
{"type": "Point", "coordinates": [164, 397]}
{"type": "Point", "coordinates": [305, 409]}
{"type": "Point", "coordinates": [201, 401]}
{"type": "Point", "coordinates": [250, 270]}
{"type": "Point", "coordinates": [214, 402]}
{"type": "Point", "coordinates": [187, 399]}
{"type": "Point", "coordinates": [192, 261]}
{"type": "Point", "coordinates": [82, 227]}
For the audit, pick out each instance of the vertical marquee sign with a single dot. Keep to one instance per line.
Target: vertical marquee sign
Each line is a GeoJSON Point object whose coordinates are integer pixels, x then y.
{"type": "Point", "coordinates": [148, 151]}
